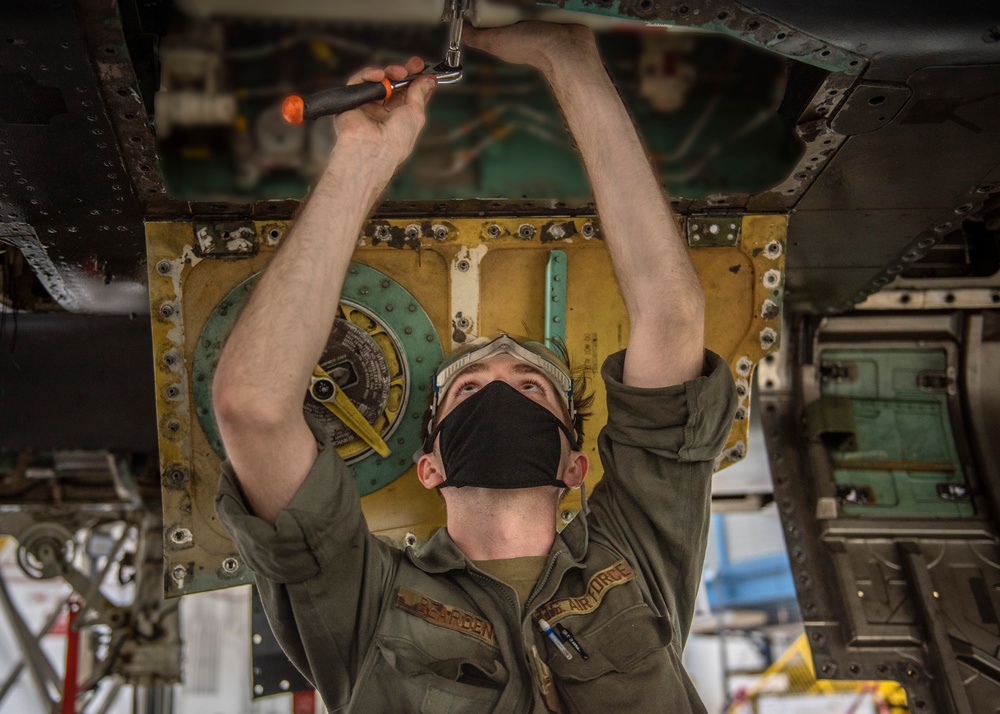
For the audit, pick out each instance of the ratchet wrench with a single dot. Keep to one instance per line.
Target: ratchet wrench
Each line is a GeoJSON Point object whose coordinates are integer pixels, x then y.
{"type": "Point", "coordinates": [295, 109]}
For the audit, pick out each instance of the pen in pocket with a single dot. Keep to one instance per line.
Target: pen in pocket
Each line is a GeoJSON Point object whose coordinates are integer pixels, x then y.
{"type": "Point", "coordinates": [547, 630]}
{"type": "Point", "coordinates": [568, 636]}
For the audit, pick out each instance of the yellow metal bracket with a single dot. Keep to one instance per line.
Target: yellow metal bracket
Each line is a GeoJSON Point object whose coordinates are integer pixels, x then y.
{"type": "Point", "coordinates": [324, 390]}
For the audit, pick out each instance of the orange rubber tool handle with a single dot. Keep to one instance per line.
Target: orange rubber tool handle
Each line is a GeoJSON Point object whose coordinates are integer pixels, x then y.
{"type": "Point", "coordinates": [296, 109]}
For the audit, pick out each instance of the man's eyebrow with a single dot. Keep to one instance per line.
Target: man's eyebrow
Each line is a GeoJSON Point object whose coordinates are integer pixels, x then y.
{"type": "Point", "coordinates": [525, 368]}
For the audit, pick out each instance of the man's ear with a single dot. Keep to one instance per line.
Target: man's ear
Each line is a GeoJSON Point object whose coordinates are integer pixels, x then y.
{"type": "Point", "coordinates": [429, 471]}
{"type": "Point", "coordinates": [576, 471]}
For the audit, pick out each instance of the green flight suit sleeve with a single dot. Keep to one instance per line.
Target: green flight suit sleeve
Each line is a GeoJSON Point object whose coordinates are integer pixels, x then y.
{"type": "Point", "coordinates": [321, 574]}
{"type": "Point", "coordinates": [653, 503]}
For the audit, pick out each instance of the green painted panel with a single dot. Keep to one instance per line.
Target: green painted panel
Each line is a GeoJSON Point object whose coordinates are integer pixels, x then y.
{"type": "Point", "coordinates": [902, 460]}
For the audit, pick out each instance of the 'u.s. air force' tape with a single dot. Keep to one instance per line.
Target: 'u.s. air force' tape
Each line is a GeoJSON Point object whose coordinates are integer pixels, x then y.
{"type": "Point", "coordinates": [597, 587]}
{"type": "Point", "coordinates": [447, 616]}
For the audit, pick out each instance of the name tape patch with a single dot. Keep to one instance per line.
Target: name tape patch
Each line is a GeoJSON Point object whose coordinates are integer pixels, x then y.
{"type": "Point", "coordinates": [447, 616]}
{"type": "Point", "coordinates": [597, 587]}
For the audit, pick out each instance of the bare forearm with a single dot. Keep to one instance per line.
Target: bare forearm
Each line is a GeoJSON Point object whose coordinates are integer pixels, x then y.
{"type": "Point", "coordinates": [658, 282]}
{"type": "Point", "coordinates": [281, 332]}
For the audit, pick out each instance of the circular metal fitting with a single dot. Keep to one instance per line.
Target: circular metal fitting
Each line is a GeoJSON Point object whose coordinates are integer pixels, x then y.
{"type": "Point", "coordinates": [587, 230]}
{"type": "Point", "coordinates": [440, 232]}
{"type": "Point", "coordinates": [772, 278]}
{"type": "Point", "coordinates": [176, 476]}
{"type": "Point", "coordinates": [493, 231]}
{"type": "Point", "coordinates": [463, 265]}
{"type": "Point", "coordinates": [323, 389]}
{"type": "Point", "coordinates": [410, 539]}
{"type": "Point", "coordinates": [773, 249]}
{"type": "Point", "coordinates": [180, 536]}
{"type": "Point", "coordinates": [163, 267]}
{"type": "Point", "coordinates": [171, 358]}
{"type": "Point", "coordinates": [526, 231]}
{"type": "Point", "coordinates": [179, 573]}
{"type": "Point", "coordinates": [173, 426]}
{"type": "Point", "coordinates": [463, 322]}
{"type": "Point", "coordinates": [167, 309]}
{"type": "Point", "coordinates": [383, 232]}
{"type": "Point", "coordinates": [941, 228]}
{"type": "Point", "coordinates": [273, 234]}
{"type": "Point", "coordinates": [230, 565]}
{"type": "Point", "coordinates": [173, 391]}
{"type": "Point", "coordinates": [412, 231]}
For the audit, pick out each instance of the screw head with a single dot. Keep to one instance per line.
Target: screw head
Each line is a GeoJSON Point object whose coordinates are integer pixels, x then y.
{"type": "Point", "coordinates": [526, 231]}
{"type": "Point", "coordinates": [493, 231]}
{"type": "Point", "coordinates": [463, 265]}
{"type": "Point", "coordinates": [230, 565]}
{"type": "Point", "coordinates": [163, 267]}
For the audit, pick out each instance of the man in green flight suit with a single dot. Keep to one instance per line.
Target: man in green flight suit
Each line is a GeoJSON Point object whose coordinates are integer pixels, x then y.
{"type": "Point", "coordinates": [497, 612]}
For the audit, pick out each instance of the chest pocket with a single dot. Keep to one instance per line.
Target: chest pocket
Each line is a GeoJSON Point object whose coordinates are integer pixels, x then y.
{"type": "Point", "coordinates": [629, 665]}
{"type": "Point", "coordinates": [433, 658]}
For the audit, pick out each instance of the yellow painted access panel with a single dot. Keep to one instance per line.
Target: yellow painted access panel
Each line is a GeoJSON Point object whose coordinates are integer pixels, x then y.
{"type": "Point", "coordinates": [416, 289]}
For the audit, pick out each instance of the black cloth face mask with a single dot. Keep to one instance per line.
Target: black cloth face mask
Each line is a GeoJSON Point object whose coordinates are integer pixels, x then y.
{"type": "Point", "coordinates": [499, 438]}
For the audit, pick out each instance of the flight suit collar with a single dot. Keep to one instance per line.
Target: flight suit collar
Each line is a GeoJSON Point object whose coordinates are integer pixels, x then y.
{"type": "Point", "coordinates": [441, 554]}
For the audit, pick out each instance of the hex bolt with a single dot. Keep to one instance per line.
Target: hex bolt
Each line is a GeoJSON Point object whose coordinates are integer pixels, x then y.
{"type": "Point", "coordinates": [412, 231]}
{"type": "Point", "coordinates": [526, 231]}
{"type": "Point", "coordinates": [493, 231]}
{"type": "Point", "coordinates": [587, 230]}
{"type": "Point", "coordinates": [463, 265]}
{"type": "Point", "coordinates": [440, 232]}
{"type": "Point", "coordinates": [163, 267]}
{"type": "Point", "coordinates": [166, 310]}
{"type": "Point", "coordinates": [230, 565]}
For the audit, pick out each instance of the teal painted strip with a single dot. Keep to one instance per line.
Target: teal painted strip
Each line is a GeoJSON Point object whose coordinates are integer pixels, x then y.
{"type": "Point", "coordinates": [555, 304]}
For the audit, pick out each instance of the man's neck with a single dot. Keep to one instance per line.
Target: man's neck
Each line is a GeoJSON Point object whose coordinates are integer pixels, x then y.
{"type": "Point", "coordinates": [490, 524]}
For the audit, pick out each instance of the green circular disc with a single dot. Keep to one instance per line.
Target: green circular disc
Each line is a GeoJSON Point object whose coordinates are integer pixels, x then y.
{"type": "Point", "coordinates": [382, 354]}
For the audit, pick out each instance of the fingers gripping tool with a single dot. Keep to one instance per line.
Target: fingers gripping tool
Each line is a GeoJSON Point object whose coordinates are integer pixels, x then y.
{"type": "Point", "coordinates": [296, 109]}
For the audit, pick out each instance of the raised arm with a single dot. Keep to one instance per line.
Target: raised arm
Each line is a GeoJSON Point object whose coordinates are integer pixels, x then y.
{"type": "Point", "coordinates": [264, 370]}
{"type": "Point", "coordinates": [662, 295]}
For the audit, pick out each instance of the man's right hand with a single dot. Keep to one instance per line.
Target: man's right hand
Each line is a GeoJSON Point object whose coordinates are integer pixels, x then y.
{"type": "Point", "coordinates": [387, 131]}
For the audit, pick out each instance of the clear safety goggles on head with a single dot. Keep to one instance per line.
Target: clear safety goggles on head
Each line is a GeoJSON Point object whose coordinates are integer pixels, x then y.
{"type": "Point", "coordinates": [534, 353]}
